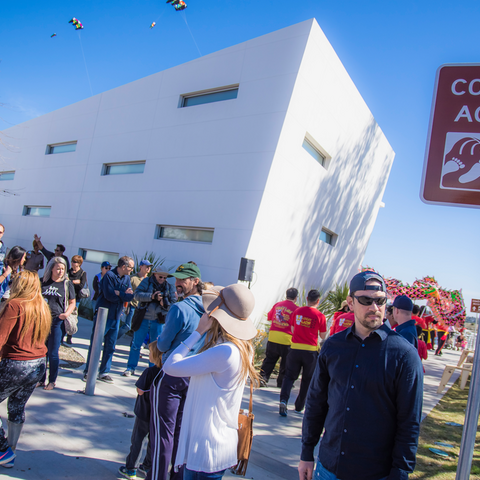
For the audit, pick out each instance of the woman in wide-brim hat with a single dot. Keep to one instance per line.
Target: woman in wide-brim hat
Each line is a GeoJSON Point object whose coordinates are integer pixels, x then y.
{"type": "Point", "coordinates": [208, 436]}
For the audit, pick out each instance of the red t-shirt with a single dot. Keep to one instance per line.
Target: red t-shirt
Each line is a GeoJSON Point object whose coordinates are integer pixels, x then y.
{"type": "Point", "coordinates": [307, 323]}
{"type": "Point", "coordinates": [429, 322]}
{"type": "Point", "coordinates": [419, 321]}
{"type": "Point", "coordinates": [279, 315]}
{"type": "Point", "coordinates": [342, 322]}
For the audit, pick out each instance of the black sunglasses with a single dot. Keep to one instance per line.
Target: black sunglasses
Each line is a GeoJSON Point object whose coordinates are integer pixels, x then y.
{"type": "Point", "coordinates": [367, 301]}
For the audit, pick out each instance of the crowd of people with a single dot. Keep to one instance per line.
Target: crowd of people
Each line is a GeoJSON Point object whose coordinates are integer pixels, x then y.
{"type": "Point", "coordinates": [201, 345]}
{"type": "Point", "coordinates": [362, 390]}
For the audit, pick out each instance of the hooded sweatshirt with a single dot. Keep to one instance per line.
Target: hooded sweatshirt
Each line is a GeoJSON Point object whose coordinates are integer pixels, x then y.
{"type": "Point", "coordinates": [181, 321]}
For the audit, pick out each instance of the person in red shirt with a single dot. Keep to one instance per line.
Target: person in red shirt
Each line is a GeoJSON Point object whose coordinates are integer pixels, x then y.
{"type": "Point", "coordinates": [279, 337]}
{"type": "Point", "coordinates": [429, 321]}
{"type": "Point", "coordinates": [307, 324]}
{"type": "Point", "coordinates": [442, 332]}
{"type": "Point", "coordinates": [342, 319]}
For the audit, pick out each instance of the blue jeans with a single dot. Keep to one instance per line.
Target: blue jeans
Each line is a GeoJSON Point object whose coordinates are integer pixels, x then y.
{"type": "Point", "coordinates": [57, 331]}
{"type": "Point", "coordinates": [147, 326]}
{"type": "Point", "coordinates": [321, 473]}
{"type": "Point", "coordinates": [191, 475]}
{"type": "Point", "coordinates": [128, 323]}
{"type": "Point", "coordinates": [109, 344]}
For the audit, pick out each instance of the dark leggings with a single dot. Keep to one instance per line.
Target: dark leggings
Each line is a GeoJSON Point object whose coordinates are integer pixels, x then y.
{"type": "Point", "coordinates": [18, 379]}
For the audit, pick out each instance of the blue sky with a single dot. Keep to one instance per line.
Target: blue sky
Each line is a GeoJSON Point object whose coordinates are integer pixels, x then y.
{"type": "Point", "coordinates": [390, 49]}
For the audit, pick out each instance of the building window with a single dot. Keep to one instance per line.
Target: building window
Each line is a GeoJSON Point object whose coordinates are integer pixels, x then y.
{"type": "Point", "coordinates": [7, 175]}
{"type": "Point", "coordinates": [315, 151]}
{"type": "Point", "coordinates": [209, 96]}
{"type": "Point", "coordinates": [34, 211]}
{"type": "Point", "coordinates": [328, 237]}
{"type": "Point", "coordinates": [185, 234]}
{"type": "Point", "coordinates": [123, 168]}
{"type": "Point", "coordinates": [97, 256]}
{"type": "Point", "coordinates": [61, 148]}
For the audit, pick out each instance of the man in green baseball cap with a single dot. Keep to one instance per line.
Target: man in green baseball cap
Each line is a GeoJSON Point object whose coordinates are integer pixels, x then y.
{"type": "Point", "coordinates": [188, 279]}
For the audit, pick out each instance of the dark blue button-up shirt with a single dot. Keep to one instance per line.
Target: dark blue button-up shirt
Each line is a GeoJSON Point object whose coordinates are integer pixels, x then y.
{"type": "Point", "coordinates": [366, 397]}
{"type": "Point", "coordinates": [408, 331]}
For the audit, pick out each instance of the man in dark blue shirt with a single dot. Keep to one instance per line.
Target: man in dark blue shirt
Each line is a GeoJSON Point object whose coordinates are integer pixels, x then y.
{"type": "Point", "coordinates": [402, 313]}
{"type": "Point", "coordinates": [366, 396]}
{"type": "Point", "coordinates": [115, 289]}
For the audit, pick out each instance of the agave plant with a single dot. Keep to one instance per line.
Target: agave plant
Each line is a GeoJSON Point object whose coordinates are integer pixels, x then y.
{"type": "Point", "coordinates": [152, 258]}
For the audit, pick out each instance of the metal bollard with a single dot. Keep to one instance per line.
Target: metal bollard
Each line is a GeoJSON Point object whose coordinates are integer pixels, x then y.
{"type": "Point", "coordinates": [96, 350]}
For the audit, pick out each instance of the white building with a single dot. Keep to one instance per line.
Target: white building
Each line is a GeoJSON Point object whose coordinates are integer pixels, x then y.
{"type": "Point", "coordinates": [264, 150]}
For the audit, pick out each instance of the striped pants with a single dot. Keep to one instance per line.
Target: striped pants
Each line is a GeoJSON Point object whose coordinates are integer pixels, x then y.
{"type": "Point", "coordinates": [167, 399]}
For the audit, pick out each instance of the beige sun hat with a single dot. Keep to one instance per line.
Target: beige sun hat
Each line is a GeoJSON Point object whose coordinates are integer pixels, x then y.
{"type": "Point", "coordinates": [231, 307]}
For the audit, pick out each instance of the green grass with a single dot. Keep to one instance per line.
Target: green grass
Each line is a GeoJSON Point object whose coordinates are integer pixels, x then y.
{"type": "Point", "coordinates": [451, 408]}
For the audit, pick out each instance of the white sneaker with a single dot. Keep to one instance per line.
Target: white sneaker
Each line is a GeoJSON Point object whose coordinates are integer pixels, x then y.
{"type": "Point", "coordinates": [128, 372]}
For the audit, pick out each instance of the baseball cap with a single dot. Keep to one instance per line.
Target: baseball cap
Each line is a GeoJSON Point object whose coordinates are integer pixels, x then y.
{"type": "Point", "coordinates": [106, 264]}
{"type": "Point", "coordinates": [186, 270]}
{"type": "Point", "coordinates": [145, 262]}
{"type": "Point", "coordinates": [359, 281]}
{"type": "Point", "coordinates": [402, 302]}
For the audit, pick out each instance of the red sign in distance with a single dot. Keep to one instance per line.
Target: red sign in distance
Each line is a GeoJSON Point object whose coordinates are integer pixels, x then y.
{"type": "Point", "coordinates": [475, 306]}
{"type": "Point", "coordinates": [451, 172]}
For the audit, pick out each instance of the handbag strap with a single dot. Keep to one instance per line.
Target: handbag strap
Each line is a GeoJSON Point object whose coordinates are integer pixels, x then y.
{"type": "Point", "coordinates": [250, 405]}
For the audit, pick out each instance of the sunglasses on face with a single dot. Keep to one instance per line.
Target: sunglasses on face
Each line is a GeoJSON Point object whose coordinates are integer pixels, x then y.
{"type": "Point", "coordinates": [367, 301]}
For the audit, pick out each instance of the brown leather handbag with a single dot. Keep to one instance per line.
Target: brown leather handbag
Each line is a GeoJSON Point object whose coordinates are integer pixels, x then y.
{"type": "Point", "coordinates": [245, 437]}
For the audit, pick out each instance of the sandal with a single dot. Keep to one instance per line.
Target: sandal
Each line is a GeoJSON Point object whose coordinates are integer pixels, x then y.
{"type": "Point", "coordinates": [50, 386]}
{"type": "Point", "coordinates": [40, 384]}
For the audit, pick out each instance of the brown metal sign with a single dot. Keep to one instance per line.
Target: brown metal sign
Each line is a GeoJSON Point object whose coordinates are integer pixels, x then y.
{"type": "Point", "coordinates": [475, 306]}
{"type": "Point", "coordinates": [451, 172]}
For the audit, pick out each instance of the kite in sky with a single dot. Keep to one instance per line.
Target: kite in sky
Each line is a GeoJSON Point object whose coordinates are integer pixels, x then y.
{"type": "Point", "coordinates": [76, 23]}
{"type": "Point", "coordinates": [54, 35]}
{"type": "Point", "coordinates": [152, 25]}
{"type": "Point", "coordinates": [178, 4]}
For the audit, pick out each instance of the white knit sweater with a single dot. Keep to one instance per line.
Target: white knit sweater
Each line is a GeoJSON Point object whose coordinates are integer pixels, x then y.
{"type": "Point", "coordinates": [208, 436]}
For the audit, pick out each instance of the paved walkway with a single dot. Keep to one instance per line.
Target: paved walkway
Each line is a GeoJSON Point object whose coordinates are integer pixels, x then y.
{"type": "Point", "coordinates": [68, 435]}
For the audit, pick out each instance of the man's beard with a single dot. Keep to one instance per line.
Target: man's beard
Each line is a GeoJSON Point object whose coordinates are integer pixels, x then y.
{"type": "Point", "coordinates": [371, 321]}
{"type": "Point", "coordinates": [185, 293]}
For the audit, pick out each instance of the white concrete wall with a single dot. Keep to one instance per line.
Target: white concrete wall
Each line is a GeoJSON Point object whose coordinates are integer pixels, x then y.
{"type": "Point", "coordinates": [206, 166]}
{"type": "Point", "coordinates": [301, 196]}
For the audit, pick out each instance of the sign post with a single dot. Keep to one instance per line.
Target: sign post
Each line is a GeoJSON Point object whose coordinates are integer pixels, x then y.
{"type": "Point", "coordinates": [451, 171]}
{"type": "Point", "coordinates": [451, 176]}
{"type": "Point", "coordinates": [475, 308]}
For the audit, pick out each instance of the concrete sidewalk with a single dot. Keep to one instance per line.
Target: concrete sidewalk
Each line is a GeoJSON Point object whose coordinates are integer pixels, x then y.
{"type": "Point", "coordinates": [70, 435]}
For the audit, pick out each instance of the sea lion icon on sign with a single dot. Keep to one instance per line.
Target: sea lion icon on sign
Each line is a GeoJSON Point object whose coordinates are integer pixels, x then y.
{"type": "Point", "coordinates": [461, 162]}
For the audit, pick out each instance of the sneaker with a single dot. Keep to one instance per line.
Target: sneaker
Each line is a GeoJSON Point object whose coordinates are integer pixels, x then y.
{"type": "Point", "coordinates": [142, 470]}
{"type": "Point", "coordinates": [85, 375]}
{"type": "Point", "coordinates": [125, 472]}
{"type": "Point", "coordinates": [105, 378]}
{"type": "Point", "coordinates": [283, 409]}
{"type": "Point", "coordinates": [300, 412]}
{"type": "Point", "coordinates": [128, 372]}
{"type": "Point", "coordinates": [7, 456]}
{"type": "Point", "coordinates": [10, 464]}
{"type": "Point", "coordinates": [263, 382]}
